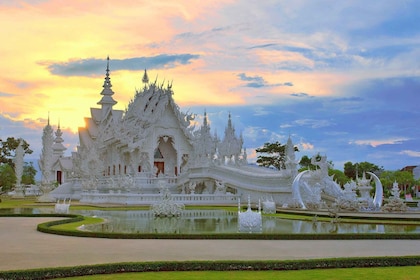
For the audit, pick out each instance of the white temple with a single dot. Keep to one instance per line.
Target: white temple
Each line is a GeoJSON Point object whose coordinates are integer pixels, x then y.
{"type": "Point", "coordinates": [123, 155]}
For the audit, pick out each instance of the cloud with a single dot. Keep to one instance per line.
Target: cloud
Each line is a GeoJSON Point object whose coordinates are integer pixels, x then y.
{"type": "Point", "coordinates": [410, 153]}
{"type": "Point", "coordinates": [22, 3]}
{"type": "Point", "coordinates": [259, 82]}
{"type": "Point", "coordinates": [313, 123]}
{"type": "Point", "coordinates": [306, 146]}
{"type": "Point", "coordinates": [287, 125]}
{"type": "Point", "coordinates": [93, 66]}
{"type": "Point", "coordinates": [378, 142]}
{"type": "Point", "coordinates": [5, 94]}
{"type": "Point", "coordinates": [301, 94]}
{"type": "Point", "coordinates": [251, 155]}
{"type": "Point", "coordinates": [347, 99]}
{"type": "Point", "coordinates": [262, 46]}
{"type": "Point", "coordinates": [261, 111]}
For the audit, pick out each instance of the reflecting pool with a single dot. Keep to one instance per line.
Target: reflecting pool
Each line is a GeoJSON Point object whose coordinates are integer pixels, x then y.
{"type": "Point", "coordinates": [221, 221]}
{"type": "Point", "coordinates": [211, 221]}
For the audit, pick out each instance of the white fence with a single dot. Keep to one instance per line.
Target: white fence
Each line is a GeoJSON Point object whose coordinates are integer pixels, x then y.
{"type": "Point", "coordinates": [148, 199]}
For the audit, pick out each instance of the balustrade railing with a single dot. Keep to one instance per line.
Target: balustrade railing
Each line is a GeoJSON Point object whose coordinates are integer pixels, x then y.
{"type": "Point", "coordinates": [148, 199]}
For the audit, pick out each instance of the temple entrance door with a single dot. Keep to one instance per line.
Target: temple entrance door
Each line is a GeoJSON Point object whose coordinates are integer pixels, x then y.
{"type": "Point", "coordinates": [165, 156]}
{"type": "Point", "coordinates": [160, 167]}
{"type": "Point", "coordinates": [59, 177]}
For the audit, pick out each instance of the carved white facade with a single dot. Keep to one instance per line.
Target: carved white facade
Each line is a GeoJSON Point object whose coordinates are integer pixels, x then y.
{"type": "Point", "coordinates": [123, 155]}
{"type": "Point", "coordinates": [54, 166]}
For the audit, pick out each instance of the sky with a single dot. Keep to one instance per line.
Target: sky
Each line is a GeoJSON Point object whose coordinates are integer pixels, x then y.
{"type": "Point", "coordinates": [340, 78]}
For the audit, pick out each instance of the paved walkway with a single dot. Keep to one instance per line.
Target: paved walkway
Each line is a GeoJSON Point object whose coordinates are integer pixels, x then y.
{"type": "Point", "coordinates": [23, 247]}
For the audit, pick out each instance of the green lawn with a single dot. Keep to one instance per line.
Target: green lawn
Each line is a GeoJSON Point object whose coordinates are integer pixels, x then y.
{"type": "Point", "coordinates": [8, 202]}
{"type": "Point", "coordinates": [380, 273]}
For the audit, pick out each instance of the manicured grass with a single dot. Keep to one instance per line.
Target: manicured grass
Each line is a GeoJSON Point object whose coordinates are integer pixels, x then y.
{"type": "Point", "coordinates": [75, 225]}
{"type": "Point", "coordinates": [344, 220]}
{"type": "Point", "coordinates": [376, 273]}
{"type": "Point", "coordinates": [8, 202]}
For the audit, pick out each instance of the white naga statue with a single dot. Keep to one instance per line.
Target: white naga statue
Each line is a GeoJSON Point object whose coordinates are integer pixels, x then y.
{"type": "Point", "coordinates": [166, 207]}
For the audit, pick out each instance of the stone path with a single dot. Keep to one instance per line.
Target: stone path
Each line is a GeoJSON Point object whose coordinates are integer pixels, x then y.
{"type": "Point", "coordinates": [23, 247]}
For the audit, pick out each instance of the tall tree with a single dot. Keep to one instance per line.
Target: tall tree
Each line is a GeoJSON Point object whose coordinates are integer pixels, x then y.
{"type": "Point", "coordinates": [272, 154]}
{"type": "Point", "coordinates": [8, 148]}
{"type": "Point", "coordinates": [405, 180]}
{"type": "Point", "coordinates": [29, 172]}
{"type": "Point", "coordinates": [352, 170]}
{"type": "Point", "coordinates": [7, 177]}
{"type": "Point", "coordinates": [305, 163]}
{"type": "Point", "coordinates": [339, 176]}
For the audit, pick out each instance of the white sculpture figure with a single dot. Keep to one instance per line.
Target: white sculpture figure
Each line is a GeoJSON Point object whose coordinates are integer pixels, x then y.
{"type": "Point", "coordinates": [379, 191]}
{"type": "Point", "coordinates": [350, 190]}
{"type": "Point", "coordinates": [269, 206]}
{"type": "Point", "coordinates": [249, 221]}
{"type": "Point", "coordinates": [312, 195]}
{"type": "Point", "coordinates": [184, 165]}
{"type": "Point", "coordinates": [166, 207]}
{"type": "Point", "coordinates": [364, 187]}
{"type": "Point", "coordinates": [145, 162]}
{"type": "Point", "coordinates": [220, 188]}
{"type": "Point", "coordinates": [62, 208]}
{"type": "Point", "coordinates": [18, 161]}
{"type": "Point", "coordinates": [395, 191]}
{"type": "Point", "coordinates": [45, 161]}
{"type": "Point", "coordinates": [297, 196]}
{"type": "Point", "coordinates": [309, 185]}
{"type": "Point", "coordinates": [322, 163]}
{"type": "Point", "coordinates": [192, 187]}
{"type": "Point", "coordinates": [291, 161]}
{"type": "Point", "coordinates": [395, 203]}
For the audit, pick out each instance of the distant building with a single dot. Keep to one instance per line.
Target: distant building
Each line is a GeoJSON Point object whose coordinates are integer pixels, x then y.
{"type": "Point", "coordinates": [415, 170]}
{"type": "Point", "coordinates": [409, 168]}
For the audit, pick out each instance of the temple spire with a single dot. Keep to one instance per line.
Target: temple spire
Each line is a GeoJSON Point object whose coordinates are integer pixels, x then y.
{"type": "Point", "coordinates": [58, 147]}
{"type": "Point", "coordinates": [145, 79]}
{"type": "Point", "coordinates": [107, 101]}
{"type": "Point", "coordinates": [229, 121]}
{"type": "Point", "coordinates": [205, 118]}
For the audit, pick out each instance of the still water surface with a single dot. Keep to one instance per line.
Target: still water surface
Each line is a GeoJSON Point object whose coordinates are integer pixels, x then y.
{"type": "Point", "coordinates": [220, 221]}
{"type": "Point", "coordinates": [212, 221]}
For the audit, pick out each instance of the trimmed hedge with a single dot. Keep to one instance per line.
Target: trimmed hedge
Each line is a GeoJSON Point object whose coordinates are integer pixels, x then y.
{"type": "Point", "coordinates": [61, 272]}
